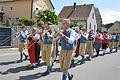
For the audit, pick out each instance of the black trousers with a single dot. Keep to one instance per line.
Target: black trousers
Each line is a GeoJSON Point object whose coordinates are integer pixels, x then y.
{"type": "Point", "coordinates": [104, 46]}
{"type": "Point", "coordinates": [97, 47]}
{"type": "Point", "coordinates": [37, 51]}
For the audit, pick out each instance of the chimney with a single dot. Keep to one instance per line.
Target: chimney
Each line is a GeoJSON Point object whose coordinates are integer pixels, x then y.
{"type": "Point", "coordinates": [74, 5]}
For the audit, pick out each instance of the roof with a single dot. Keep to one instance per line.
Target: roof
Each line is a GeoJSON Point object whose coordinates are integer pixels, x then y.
{"type": "Point", "coordinates": [97, 13]}
{"type": "Point", "coordinates": [115, 28]}
{"type": "Point", "coordinates": [81, 12]}
{"type": "Point", "coordinates": [52, 4]}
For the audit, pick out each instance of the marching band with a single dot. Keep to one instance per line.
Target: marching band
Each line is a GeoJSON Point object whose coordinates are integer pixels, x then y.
{"type": "Point", "coordinates": [72, 43]}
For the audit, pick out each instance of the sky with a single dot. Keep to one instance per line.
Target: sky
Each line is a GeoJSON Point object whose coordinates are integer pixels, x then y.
{"type": "Point", "coordinates": [109, 9]}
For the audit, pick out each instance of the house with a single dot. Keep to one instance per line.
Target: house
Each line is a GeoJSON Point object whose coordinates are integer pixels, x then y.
{"type": "Point", "coordinates": [115, 28]}
{"type": "Point", "coordinates": [13, 9]}
{"type": "Point", "coordinates": [98, 19]}
{"type": "Point", "coordinates": [83, 15]}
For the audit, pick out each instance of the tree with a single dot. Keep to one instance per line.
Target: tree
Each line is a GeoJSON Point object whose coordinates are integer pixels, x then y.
{"type": "Point", "coordinates": [7, 23]}
{"type": "Point", "coordinates": [48, 16]}
{"type": "Point", "coordinates": [25, 21]}
{"type": "Point", "coordinates": [73, 24]}
{"type": "Point", "coordinates": [107, 25]}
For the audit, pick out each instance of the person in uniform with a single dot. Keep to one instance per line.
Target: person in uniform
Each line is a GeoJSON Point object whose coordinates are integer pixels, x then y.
{"type": "Point", "coordinates": [105, 42]}
{"type": "Point", "coordinates": [116, 43]}
{"type": "Point", "coordinates": [83, 42]}
{"type": "Point", "coordinates": [34, 48]}
{"type": "Point", "coordinates": [111, 42]}
{"type": "Point", "coordinates": [98, 42]}
{"type": "Point", "coordinates": [67, 37]}
{"type": "Point", "coordinates": [89, 47]}
{"type": "Point", "coordinates": [22, 35]}
{"type": "Point", "coordinates": [48, 47]}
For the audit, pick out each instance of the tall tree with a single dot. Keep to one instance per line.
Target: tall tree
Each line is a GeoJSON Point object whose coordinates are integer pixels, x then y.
{"type": "Point", "coordinates": [48, 16]}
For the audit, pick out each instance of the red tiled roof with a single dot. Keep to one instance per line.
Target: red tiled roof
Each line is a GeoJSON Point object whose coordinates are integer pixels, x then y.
{"type": "Point", "coordinates": [81, 12]}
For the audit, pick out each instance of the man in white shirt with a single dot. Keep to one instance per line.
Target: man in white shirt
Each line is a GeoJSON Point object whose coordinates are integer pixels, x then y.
{"type": "Point", "coordinates": [22, 35]}
{"type": "Point", "coordinates": [67, 37]}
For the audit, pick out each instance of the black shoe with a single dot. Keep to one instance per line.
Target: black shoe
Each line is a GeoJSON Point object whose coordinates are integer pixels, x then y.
{"type": "Point", "coordinates": [103, 54]}
{"type": "Point", "coordinates": [70, 76]}
{"type": "Point", "coordinates": [64, 77]}
{"type": "Point", "coordinates": [96, 55]}
{"type": "Point", "coordinates": [46, 73]}
{"type": "Point", "coordinates": [76, 55]}
{"type": "Point", "coordinates": [26, 57]}
{"type": "Point", "coordinates": [50, 68]}
{"type": "Point", "coordinates": [116, 50]}
{"type": "Point", "coordinates": [72, 64]}
{"type": "Point", "coordinates": [38, 63]}
{"type": "Point", "coordinates": [30, 67]}
{"type": "Point", "coordinates": [19, 61]}
{"type": "Point", "coordinates": [88, 59]}
{"type": "Point", "coordinates": [82, 62]}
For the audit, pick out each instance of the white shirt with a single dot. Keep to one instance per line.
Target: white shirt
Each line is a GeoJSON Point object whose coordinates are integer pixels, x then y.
{"type": "Point", "coordinates": [24, 33]}
{"type": "Point", "coordinates": [71, 39]}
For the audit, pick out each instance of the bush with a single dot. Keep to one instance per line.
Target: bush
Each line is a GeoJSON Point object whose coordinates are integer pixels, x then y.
{"type": "Point", "coordinates": [25, 21]}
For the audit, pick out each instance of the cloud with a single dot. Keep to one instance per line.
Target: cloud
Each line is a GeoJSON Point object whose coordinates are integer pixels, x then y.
{"type": "Point", "coordinates": [109, 16]}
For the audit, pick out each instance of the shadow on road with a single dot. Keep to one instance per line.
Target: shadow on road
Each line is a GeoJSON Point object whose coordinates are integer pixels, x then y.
{"type": "Point", "coordinates": [37, 75]}
{"type": "Point", "coordinates": [15, 70]}
{"type": "Point", "coordinates": [31, 77]}
{"type": "Point", "coordinates": [7, 63]}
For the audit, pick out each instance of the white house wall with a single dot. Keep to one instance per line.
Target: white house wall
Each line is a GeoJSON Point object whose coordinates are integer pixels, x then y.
{"type": "Point", "coordinates": [92, 21]}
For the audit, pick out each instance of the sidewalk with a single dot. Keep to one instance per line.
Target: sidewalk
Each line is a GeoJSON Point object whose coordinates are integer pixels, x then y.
{"type": "Point", "coordinates": [8, 51]}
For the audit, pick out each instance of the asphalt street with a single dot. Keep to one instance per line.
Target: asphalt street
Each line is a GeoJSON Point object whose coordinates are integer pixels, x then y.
{"type": "Point", "coordinates": [105, 67]}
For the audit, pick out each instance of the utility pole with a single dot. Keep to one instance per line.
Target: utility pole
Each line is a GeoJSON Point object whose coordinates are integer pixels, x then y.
{"type": "Point", "coordinates": [31, 9]}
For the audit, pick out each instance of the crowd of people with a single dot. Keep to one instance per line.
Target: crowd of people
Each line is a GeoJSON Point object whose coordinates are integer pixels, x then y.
{"type": "Point", "coordinates": [73, 43]}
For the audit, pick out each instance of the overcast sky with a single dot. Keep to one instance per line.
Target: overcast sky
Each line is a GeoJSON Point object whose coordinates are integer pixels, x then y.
{"type": "Point", "coordinates": [109, 9]}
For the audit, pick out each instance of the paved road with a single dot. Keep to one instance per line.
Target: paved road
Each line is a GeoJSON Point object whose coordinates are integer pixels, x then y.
{"type": "Point", "coordinates": [105, 67]}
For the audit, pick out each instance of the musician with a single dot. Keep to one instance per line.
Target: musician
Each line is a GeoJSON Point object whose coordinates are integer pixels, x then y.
{"type": "Point", "coordinates": [111, 42]}
{"type": "Point", "coordinates": [48, 47]}
{"type": "Point", "coordinates": [22, 35]}
{"type": "Point", "coordinates": [105, 42]}
{"type": "Point", "coordinates": [34, 48]}
{"type": "Point", "coordinates": [89, 47]}
{"type": "Point", "coordinates": [97, 42]}
{"type": "Point", "coordinates": [116, 43]}
{"type": "Point", "coordinates": [83, 42]}
{"type": "Point", "coordinates": [67, 37]}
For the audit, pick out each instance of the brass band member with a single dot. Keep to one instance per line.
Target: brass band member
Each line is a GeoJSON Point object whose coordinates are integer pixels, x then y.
{"type": "Point", "coordinates": [67, 38]}
{"type": "Point", "coordinates": [22, 35]}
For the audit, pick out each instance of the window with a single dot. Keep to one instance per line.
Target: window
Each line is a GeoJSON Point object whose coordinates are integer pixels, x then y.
{"type": "Point", "coordinates": [116, 29]}
{"type": "Point", "coordinates": [11, 8]}
{"type": "Point", "coordinates": [93, 15]}
{"type": "Point", "coordinates": [90, 25]}
{"type": "Point", "coordinates": [2, 8]}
